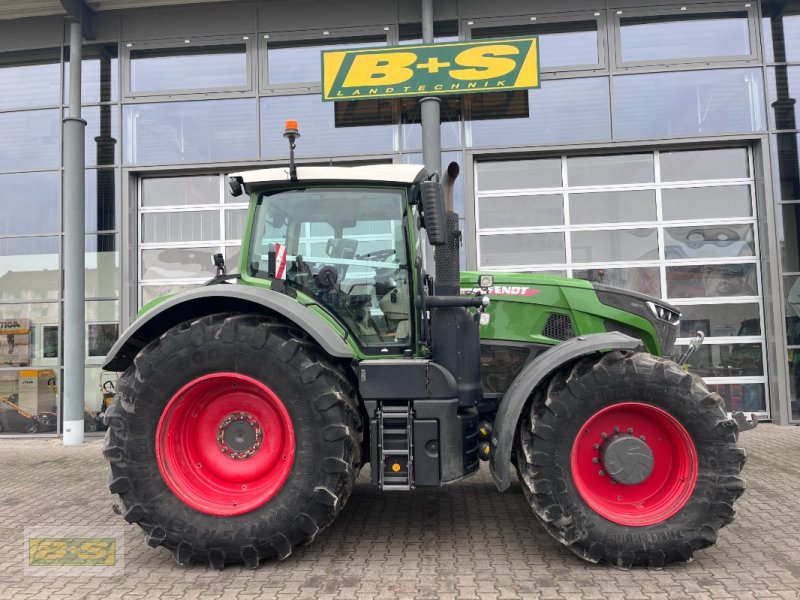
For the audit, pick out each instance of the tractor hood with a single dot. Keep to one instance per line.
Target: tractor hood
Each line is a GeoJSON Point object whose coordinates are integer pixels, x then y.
{"type": "Point", "coordinates": [547, 309]}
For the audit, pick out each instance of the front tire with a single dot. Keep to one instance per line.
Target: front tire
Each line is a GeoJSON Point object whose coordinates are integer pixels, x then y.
{"type": "Point", "coordinates": [232, 439]}
{"type": "Point", "coordinates": [628, 459]}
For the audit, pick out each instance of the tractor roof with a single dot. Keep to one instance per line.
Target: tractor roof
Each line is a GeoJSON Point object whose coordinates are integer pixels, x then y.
{"type": "Point", "coordinates": [403, 174]}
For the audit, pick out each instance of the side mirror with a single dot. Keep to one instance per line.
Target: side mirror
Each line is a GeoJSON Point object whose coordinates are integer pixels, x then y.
{"type": "Point", "coordinates": [435, 222]}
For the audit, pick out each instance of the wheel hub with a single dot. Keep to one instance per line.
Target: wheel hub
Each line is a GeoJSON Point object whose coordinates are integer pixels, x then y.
{"type": "Point", "coordinates": [239, 435]}
{"type": "Point", "coordinates": [626, 459]}
{"type": "Point", "coordinates": [225, 444]}
{"type": "Point", "coordinates": [634, 463]}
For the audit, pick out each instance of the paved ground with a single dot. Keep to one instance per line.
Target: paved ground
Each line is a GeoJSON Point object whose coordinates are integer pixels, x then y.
{"type": "Point", "coordinates": [466, 541]}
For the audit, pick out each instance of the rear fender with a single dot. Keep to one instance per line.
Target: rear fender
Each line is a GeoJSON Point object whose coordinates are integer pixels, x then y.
{"type": "Point", "coordinates": [534, 374]}
{"type": "Point", "coordinates": [206, 300]}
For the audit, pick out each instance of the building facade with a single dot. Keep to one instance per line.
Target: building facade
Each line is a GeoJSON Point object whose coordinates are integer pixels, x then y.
{"type": "Point", "coordinates": [659, 155]}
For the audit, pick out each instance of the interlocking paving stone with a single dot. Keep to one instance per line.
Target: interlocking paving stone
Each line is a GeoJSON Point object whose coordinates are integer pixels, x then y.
{"type": "Point", "coordinates": [463, 541]}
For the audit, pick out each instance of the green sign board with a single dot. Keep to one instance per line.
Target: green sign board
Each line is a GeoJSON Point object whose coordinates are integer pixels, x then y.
{"type": "Point", "coordinates": [431, 69]}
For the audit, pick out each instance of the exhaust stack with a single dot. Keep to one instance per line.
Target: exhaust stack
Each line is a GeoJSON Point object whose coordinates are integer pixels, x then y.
{"type": "Point", "coordinates": [448, 268]}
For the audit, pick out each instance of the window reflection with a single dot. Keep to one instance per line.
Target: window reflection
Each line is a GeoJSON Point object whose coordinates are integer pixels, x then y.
{"type": "Point", "coordinates": [30, 140]}
{"type": "Point", "coordinates": [205, 131]}
{"type": "Point", "coordinates": [612, 207]}
{"type": "Point", "coordinates": [521, 211]}
{"type": "Point", "coordinates": [519, 174]}
{"type": "Point", "coordinates": [361, 113]}
{"type": "Point", "coordinates": [151, 292]}
{"type": "Point", "coordinates": [188, 68]}
{"type": "Point", "coordinates": [410, 119]}
{"type": "Point", "coordinates": [99, 74]}
{"type": "Point", "coordinates": [614, 245]}
{"type": "Point", "coordinates": [612, 169]}
{"type": "Point", "coordinates": [714, 163]}
{"type": "Point", "coordinates": [784, 89]}
{"type": "Point", "coordinates": [747, 397]}
{"type": "Point", "coordinates": [786, 165]}
{"type": "Point", "coordinates": [781, 30]}
{"type": "Point", "coordinates": [571, 43]}
{"type": "Point", "coordinates": [706, 202]}
{"type": "Point", "coordinates": [42, 319]}
{"type": "Point", "coordinates": [688, 103]}
{"type": "Point", "coordinates": [234, 224]}
{"type": "Point", "coordinates": [178, 263]}
{"type": "Point", "coordinates": [791, 287]}
{"type": "Point", "coordinates": [191, 226]}
{"type": "Point", "coordinates": [709, 241]}
{"type": "Point", "coordinates": [644, 280]}
{"type": "Point", "coordinates": [793, 355]}
{"type": "Point", "coordinates": [720, 320]}
{"type": "Point", "coordinates": [727, 360]}
{"type": "Point", "coordinates": [563, 110]}
{"type": "Point", "coordinates": [298, 61]}
{"type": "Point", "coordinates": [710, 281]}
{"type": "Point", "coordinates": [180, 191]}
{"type": "Point", "coordinates": [102, 265]}
{"type": "Point", "coordinates": [102, 134]}
{"type": "Point", "coordinates": [321, 137]}
{"type": "Point", "coordinates": [28, 399]}
{"type": "Point", "coordinates": [102, 200]}
{"type": "Point", "coordinates": [684, 36]}
{"type": "Point", "coordinates": [29, 268]}
{"type": "Point", "coordinates": [443, 31]}
{"type": "Point", "coordinates": [521, 249]}
{"type": "Point", "coordinates": [29, 203]}
{"type": "Point", "coordinates": [29, 78]}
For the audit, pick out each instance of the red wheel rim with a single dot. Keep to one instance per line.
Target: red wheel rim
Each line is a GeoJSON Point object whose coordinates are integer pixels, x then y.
{"type": "Point", "coordinates": [225, 444]}
{"type": "Point", "coordinates": [674, 466]}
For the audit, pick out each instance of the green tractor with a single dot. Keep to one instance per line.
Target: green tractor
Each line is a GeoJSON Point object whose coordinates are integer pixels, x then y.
{"type": "Point", "coordinates": [247, 407]}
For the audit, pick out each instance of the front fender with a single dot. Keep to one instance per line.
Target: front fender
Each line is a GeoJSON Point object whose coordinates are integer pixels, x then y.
{"type": "Point", "coordinates": [536, 372]}
{"type": "Point", "coordinates": [211, 299]}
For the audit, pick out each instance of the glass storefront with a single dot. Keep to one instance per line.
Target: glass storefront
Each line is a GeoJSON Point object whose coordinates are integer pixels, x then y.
{"type": "Point", "coordinates": [553, 180]}
{"type": "Point", "coordinates": [659, 223]}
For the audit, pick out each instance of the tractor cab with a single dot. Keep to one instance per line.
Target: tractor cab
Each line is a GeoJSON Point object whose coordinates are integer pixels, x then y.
{"type": "Point", "coordinates": [346, 245]}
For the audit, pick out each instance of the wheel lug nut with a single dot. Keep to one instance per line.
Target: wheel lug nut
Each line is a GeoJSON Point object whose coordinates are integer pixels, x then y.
{"type": "Point", "coordinates": [596, 446]}
{"type": "Point", "coordinates": [616, 429]}
{"type": "Point", "coordinates": [601, 473]}
{"type": "Point", "coordinates": [630, 430]}
{"type": "Point", "coordinates": [595, 460]}
{"type": "Point", "coordinates": [641, 437]}
{"type": "Point", "coordinates": [604, 435]}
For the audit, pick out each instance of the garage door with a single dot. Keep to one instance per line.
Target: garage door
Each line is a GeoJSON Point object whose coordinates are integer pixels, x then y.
{"type": "Point", "coordinates": [679, 225]}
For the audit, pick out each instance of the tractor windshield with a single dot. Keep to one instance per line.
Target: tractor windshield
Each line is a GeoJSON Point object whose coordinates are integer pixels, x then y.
{"type": "Point", "coordinates": [346, 248]}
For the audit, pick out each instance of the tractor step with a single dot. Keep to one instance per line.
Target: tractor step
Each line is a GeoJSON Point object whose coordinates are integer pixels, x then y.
{"type": "Point", "coordinates": [396, 446]}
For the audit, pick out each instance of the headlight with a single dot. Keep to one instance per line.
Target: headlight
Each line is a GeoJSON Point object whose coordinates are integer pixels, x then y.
{"type": "Point", "coordinates": [663, 313]}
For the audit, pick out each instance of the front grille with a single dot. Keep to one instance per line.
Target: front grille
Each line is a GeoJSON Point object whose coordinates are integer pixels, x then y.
{"type": "Point", "coordinates": [558, 327]}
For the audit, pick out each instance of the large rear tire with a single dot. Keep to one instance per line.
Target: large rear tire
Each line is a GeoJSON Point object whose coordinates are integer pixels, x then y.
{"type": "Point", "coordinates": [630, 460]}
{"type": "Point", "coordinates": [232, 439]}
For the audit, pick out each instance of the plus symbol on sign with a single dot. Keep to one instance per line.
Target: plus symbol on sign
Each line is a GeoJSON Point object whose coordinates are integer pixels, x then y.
{"type": "Point", "coordinates": [433, 65]}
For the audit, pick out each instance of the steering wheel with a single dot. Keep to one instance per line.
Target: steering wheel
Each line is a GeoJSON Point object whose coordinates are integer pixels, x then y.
{"type": "Point", "coordinates": [378, 255]}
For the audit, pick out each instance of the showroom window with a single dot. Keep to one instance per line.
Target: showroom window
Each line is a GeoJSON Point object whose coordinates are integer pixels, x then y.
{"type": "Point", "coordinates": [187, 65]}
{"type": "Point", "coordinates": [781, 34]}
{"type": "Point", "coordinates": [566, 44]}
{"type": "Point", "coordinates": [183, 222]}
{"type": "Point", "coordinates": [292, 61]}
{"type": "Point", "coordinates": [679, 225]}
{"type": "Point", "coordinates": [688, 103]}
{"type": "Point", "coordinates": [196, 131]}
{"type": "Point", "coordinates": [688, 36]}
